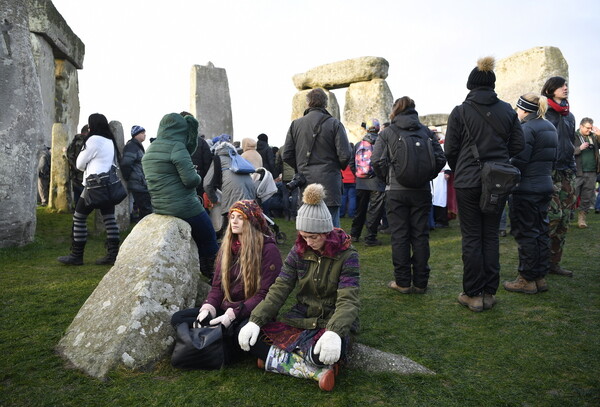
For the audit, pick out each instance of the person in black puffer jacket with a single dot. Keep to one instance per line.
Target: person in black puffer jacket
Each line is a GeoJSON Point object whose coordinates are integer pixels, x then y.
{"type": "Point", "coordinates": [480, 242]}
{"type": "Point", "coordinates": [407, 208]}
{"type": "Point", "coordinates": [564, 198]}
{"type": "Point", "coordinates": [530, 200]}
{"type": "Point", "coordinates": [131, 168]}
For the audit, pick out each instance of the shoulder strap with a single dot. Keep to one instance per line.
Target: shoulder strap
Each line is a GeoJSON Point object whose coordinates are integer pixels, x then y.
{"type": "Point", "coordinates": [469, 138]}
{"type": "Point", "coordinates": [316, 131]}
{"type": "Point", "coordinates": [487, 117]}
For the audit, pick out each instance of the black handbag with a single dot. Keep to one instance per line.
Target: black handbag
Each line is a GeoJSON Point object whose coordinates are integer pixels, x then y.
{"type": "Point", "coordinates": [204, 347]}
{"type": "Point", "coordinates": [104, 189]}
{"type": "Point", "coordinates": [497, 179]}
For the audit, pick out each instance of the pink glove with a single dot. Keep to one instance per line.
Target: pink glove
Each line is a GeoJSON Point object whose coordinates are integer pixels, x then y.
{"type": "Point", "coordinates": [204, 311]}
{"type": "Point", "coordinates": [329, 347]}
{"type": "Point", "coordinates": [226, 319]}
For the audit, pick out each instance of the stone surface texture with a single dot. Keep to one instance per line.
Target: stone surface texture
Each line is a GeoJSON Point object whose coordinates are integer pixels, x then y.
{"type": "Point", "coordinates": [126, 320]}
{"type": "Point", "coordinates": [366, 100]}
{"type": "Point", "coordinates": [21, 129]}
{"type": "Point", "coordinates": [343, 73]}
{"type": "Point", "coordinates": [369, 359]}
{"type": "Point", "coordinates": [435, 119]}
{"type": "Point", "coordinates": [299, 104]}
{"type": "Point", "coordinates": [67, 96]}
{"type": "Point", "coordinates": [44, 62]}
{"type": "Point", "coordinates": [527, 71]}
{"type": "Point", "coordinates": [45, 20]}
{"type": "Point", "coordinates": [60, 185]}
{"type": "Point", "coordinates": [210, 100]}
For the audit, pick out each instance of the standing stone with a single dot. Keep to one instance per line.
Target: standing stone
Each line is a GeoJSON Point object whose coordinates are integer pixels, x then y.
{"type": "Point", "coordinates": [527, 71]}
{"type": "Point", "coordinates": [366, 100]}
{"type": "Point", "coordinates": [343, 73]}
{"type": "Point", "coordinates": [299, 104]}
{"type": "Point", "coordinates": [210, 101]}
{"type": "Point", "coordinates": [21, 129]}
{"type": "Point", "coordinates": [122, 209]}
{"type": "Point", "coordinates": [44, 62]}
{"type": "Point", "coordinates": [126, 320]}
{"type": "Point", "coordinates": [60, 185]}
{"type": "Point", "coordinates": [67, 96]}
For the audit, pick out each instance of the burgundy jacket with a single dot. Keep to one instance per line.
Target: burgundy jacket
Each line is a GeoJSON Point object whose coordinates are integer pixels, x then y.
{"type": "Point", "coordinates": [270, 268]}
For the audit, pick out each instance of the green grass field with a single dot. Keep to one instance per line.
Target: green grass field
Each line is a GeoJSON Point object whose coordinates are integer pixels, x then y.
{"type": "Point", "coordinates": [530, 350]}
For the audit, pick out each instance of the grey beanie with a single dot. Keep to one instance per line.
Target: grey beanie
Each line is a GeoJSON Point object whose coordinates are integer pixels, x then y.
{"type": "Point", "coordinates": [313, 216]}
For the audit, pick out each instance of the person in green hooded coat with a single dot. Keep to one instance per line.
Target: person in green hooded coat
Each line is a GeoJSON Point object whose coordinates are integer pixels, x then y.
{"type": "Point", "coordinates": [172, 181]}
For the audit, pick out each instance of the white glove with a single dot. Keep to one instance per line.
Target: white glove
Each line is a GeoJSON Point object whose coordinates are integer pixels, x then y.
{"type": "Point", "coordinates": [204, 311]}
{"type": "Point", "coordinates": [248, 335]}
{"type": "Point", "coordinates": [329, 347]}
{"type": "Point", "coordinates": [226, 319]}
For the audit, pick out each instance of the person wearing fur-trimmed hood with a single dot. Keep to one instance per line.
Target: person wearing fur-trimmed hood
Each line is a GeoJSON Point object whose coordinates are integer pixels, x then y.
{"type": "Point", "coordinates": [480, 242]}
{"type": "Point", "coordinates": [314, 335]}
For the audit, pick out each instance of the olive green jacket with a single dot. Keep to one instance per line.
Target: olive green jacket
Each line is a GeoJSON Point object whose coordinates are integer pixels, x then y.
{"type": "Point", "coordinates": [328, 289]}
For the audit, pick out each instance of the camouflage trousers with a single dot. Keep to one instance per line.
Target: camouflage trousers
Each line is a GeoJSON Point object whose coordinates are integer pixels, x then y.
{"type": "Point", "coordinates": [559, 212]}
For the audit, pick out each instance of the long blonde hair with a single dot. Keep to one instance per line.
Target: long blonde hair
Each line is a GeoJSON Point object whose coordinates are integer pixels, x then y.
{"type": "Point", "coordinates": [249, 259]}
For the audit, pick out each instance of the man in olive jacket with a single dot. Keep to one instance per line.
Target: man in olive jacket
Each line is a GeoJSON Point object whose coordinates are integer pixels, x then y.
{"type": "Point", "coordinates": [317, 146]}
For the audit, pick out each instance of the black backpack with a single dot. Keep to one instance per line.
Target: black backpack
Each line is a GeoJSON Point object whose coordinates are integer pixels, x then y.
{"type": "Point", "coordinates": [413, 159]}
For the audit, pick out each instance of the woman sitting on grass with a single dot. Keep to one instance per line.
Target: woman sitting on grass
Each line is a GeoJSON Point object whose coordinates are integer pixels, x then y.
{"type": "Point", "coordinates": [314, 335]}
{"type": "Point", "coordinates": [248, 262]}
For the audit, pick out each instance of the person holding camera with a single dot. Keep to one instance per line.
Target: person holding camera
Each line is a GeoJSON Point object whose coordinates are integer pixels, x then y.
{"type": "Point", "coordinates": [317, 147]}
{"type": "Point", "coordinates": [587, 160]}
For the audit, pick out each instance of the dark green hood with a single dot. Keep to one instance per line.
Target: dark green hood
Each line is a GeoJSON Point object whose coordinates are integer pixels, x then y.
{"type": "Point", "coordinates": [174, 126]}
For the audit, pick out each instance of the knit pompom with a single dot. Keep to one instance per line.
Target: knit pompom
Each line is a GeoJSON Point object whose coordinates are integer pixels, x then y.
{"type": "Point", "coordinates": [313, 194]}
{"type": "Point", "coordinates": [486, 64]}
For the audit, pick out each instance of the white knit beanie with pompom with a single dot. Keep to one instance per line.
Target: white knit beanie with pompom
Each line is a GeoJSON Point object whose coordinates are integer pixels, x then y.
{"type": "Point", "coordinates": [313, 216]}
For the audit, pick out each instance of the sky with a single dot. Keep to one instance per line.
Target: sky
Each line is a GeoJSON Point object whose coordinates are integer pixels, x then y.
{"type": "Point", "coordinates": [139, 53]}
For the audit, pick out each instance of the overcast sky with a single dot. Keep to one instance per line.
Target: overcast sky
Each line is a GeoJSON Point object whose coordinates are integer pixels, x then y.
{"type": "Point", "coordinates": [139, 53]}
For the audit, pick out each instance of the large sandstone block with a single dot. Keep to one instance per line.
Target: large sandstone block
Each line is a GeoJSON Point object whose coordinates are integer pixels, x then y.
{"type": "Point", "coordinates": [45, 20]}
{"type": "Point", "coordinates": [210, 100]}
{"type": "Point", "coordinates": [527, 71]}
{"type": "Point", "coordinates": [435, 119]}
{"type": "Point", "coordinates": [126, 320]}
{"type": "Point", "coordinates": [60, 185]}
{"type": "Point", "coordinates": [21, 129]}
{"type": "Point", "coordinates": [299, 104]}
{"type": "Point", "coordinates": [364, 101]}
{"type": "Point", "coordinates": [67, 95]}
{"type": "Point", "coordinates": [44, 62]}
{"type": "Point", "coordinates": [341, 74]}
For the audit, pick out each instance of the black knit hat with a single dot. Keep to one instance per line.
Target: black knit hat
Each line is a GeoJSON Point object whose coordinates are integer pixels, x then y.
{"type": "Point", "coordinates": [263, 137]}
{"type": "Point", "coordinates": [483, 74]}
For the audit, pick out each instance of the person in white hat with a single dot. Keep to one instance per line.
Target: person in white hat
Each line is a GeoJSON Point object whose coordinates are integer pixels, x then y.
{"type": "Point", "coordinates": [313, 336]}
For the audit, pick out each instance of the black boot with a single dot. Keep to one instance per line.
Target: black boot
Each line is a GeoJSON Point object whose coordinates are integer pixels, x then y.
{"type": "Point", "coordinates": [75, 258]}
{"type": "Point", "coordinates": [207, 267]}
{"type": "Point", "coordinates": [112, 250]}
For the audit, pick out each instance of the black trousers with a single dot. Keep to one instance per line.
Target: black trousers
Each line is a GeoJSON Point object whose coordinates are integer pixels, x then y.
{"type": "Point", "coordinates": [408, 218]}
{"type": "Point", "coordinates": [142, 201]}
{"type": "Point", "coordinates": [530, 227]}
{"type": "Point", "coordinates": [369, 210]}
{"type": "Point", "coordinates": [480, 244]}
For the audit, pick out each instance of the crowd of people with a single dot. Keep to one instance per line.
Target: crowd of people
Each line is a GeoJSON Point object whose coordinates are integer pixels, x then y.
{"type": "Point", "coordinates": [401, 176]}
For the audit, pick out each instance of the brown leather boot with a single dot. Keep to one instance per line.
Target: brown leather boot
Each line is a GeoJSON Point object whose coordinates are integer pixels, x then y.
{"type": "Point", "coordinates": [581, 220]}
{"type": "Point", "coordinates": [475, 304]}
{"type": "Point", "coordinates": [489, 300]}
{"type": "Point", "coordinates": [520, 285]}
{"type": "Point", "coordinates": [557, 269]}
{"type": "Point", "coordinates": [541, 285]}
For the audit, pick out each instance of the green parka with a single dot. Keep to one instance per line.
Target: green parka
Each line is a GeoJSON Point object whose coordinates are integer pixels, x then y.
{"type": "Point", "coordinates": [168, 167]}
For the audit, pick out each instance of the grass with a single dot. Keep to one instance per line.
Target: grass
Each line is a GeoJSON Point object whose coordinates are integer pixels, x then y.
{"type": "Point", "coordinates": [531, 350]}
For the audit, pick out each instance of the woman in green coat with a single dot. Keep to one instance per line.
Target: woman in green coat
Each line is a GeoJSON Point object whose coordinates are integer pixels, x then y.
{"type": "Point", "coordinates": [313, 336]}
{"type": "Point", "coordinates": [172, 181]}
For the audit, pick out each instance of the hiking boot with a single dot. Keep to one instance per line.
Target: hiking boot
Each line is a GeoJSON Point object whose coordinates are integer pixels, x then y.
{"type": "Point", "coordinates": [417, 290]}
{"type": "Point", "coordinates": [558, 270]}
{"type": "Point", "coordinates": [372, 242]}
{"type": "Point", "coordinates": [489, 300]}
{"type": "Point", "coordinates": [520, 285]}
{"type": "Point", "coordinates": [541, 285]}
{"type": "Point", "coordinates": [404, 290]}
{"type": "Point", "coordinates": [475, 304]}
{"type": "Point", "coordinates": [75, 258]}
{"type": "Point", "coordinates": [581, 223]}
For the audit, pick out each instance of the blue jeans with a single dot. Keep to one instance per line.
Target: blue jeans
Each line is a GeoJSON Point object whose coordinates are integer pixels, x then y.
{"type": "Point", "coordinates": [335, 215]}
{"type": "Point", "coordinates": [348, 201]}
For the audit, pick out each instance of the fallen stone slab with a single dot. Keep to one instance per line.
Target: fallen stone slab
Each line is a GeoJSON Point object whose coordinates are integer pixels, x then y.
{"type": "Point", "coordinates": [341, 74]}
{"type": "Point", "coordinates": [370, 359]}
{"type": "Point", "coordinates": [125, 321]}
